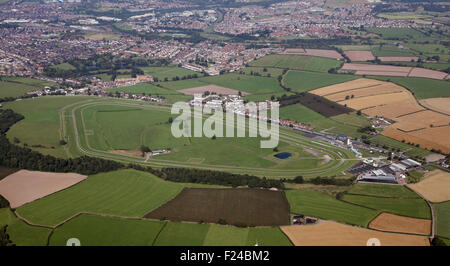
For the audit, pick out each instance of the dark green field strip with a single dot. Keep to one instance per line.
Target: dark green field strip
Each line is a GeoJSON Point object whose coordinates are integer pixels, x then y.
{"type": "Point", "coordinates": [22, 234]}
{"type": "Point", "coordinates": [416, 208]}
{"type": "Point", "coordinates": [443, 219]}
{"type": "Point", "coordinates": [320, 205]}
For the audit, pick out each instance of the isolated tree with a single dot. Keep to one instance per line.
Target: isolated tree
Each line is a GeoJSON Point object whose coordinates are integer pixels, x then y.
{"type": "Point", "coordinates": [170, 120]}
{"type": "Point", "coordinates": [145, 149]}
{"type": "Point", "coordinates": [62, 142]}
{"type": "Point", "coordinates": [4, 237]}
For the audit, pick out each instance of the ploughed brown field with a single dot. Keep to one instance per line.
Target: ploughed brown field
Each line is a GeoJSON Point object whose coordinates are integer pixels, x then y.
{"type": "Point", "coordinates": [252, 207]}
{"type": "Point", "coordinates": [211, 88]}
{"type": "Point", "coordinates": [441, 105]}
{"type": "Point", "coordinates": [434, 186]}
{"type": "Point", "coordinates": [329, 233]}
{"type": "Point", "coordinates": [360, 55]}
{"type": "Point", "coordinates": [26, 186]}
{"type": "Point", "coordinates": [401, 224]}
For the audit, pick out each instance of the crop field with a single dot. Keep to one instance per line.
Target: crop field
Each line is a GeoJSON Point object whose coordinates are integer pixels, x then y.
{"type": "Point", "coordinates": [414, 124]}
{"type": "Point", "coordinates": [21, 233]}
{"type": "Point", "coordinates": [401, 224]}
{"type": "Point", "coordinates": [443, 219]}
{"type": "Point", "coordinates": [273, 72]}
{"type": "Point", "coordinates": [328, 233]}
{"type": "Point", "coordinates": [381, 190]}
{"type": "Point", "coordinates": [416, 208]}
{"type": "Point", "coordinates": [18, 86]}
{"type": "Point", "coordinates": [322, 105]}
{"type": "Point", "coordinates": [191, 234]}
{"type": "Point", "coordinates": [26, 186]}
{"type": "Point", "coordinates": [300, 81]}
{"type": "Point", "coordinates": [400, 71]}
{"type": "Point", "coordinates": [246, 206]}
{"type": "Point", "coordinates": [320, 205]}
{"type": "Point", "coordinates": [434, 186]}
{"type": "Point", "coordinates": [123, 193]}
{"type": "Point", "coordinates": [441, 105]}
{"type": "Point", "coordinates": [392, 51]}
{"type": "Point", "coordinates": [282, 61]}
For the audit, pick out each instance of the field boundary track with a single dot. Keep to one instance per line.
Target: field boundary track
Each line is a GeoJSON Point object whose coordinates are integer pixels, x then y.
{"type": "Point", "coordinates": [337, 164]}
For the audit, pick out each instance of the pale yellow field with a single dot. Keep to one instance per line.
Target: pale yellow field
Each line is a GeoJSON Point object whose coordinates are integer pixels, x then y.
{"type": "Point", "coordinates": [437, 104]}
{"type": "Point", "coordinates": [347, 86]}
{"type": "Point", "coordinates": [329, 233]}
{"type": "Point", "coordinates": [434, 186]}
{"type": "Point", "coordinates": [376, 100]}
{"type": "Point", "coordinates": [401, 224]}
{"type": "Point", "coordinates": [426, 118]}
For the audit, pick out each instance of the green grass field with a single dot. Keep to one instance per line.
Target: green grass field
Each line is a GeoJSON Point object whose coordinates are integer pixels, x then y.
{"type": "Point", "coordinates": [250, 84]}
{"type": "Point", "coordinates": [124, 193]}
{"type": "Point", "coordinates": [64, 66]}
{"type": "Point", "coordinates": [300, 113]}
{"type": "Point", "coordinates": [93, 230]}
{"type": "Point", "coordinates": [297, 62]}
{"type": "Point", "coordinates": [168, 72]}
{"type": "Point", "coordinates": [443, 219]}
{"type": "Point", "coordinates": [191, 234]}
{"type": "Point", "coordinates": [20, 233]}
{"type": "Point", "coordinates": [320, 205]}
{"type": "Point", "coordinates": [18, 86]}
{"type": "Point", "coordinates": [301, 81]}
{"type": "Point", "coordinates": [381, 190]}
{"type": "Point", "coordinates": [416, 208]}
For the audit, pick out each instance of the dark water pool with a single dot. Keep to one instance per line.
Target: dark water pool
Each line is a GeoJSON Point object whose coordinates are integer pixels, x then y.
{"type": "Point", "coordinates": [283, 155]}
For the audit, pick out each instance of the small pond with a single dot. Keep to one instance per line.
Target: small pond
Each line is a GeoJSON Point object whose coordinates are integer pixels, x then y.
{"type": "Point", "coordinates": [283, 155]}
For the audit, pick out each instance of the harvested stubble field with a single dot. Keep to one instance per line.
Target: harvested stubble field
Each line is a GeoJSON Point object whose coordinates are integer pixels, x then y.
{"type": "Point", "coordinates": [26, 186]}
{"type": "Point", "coordinates": [234, 206]}
{"type": "Point", "coordinates": [441, 105]}
{"type": "Point", "coordinates": [431, 138]}
{"type": "Point", "coordinates": [401, 224]}
{"type": "Point", "coordinates": [360, 55]}
{"type": "Point", "coordinates": [434, 186]}
{"type": "Point", "coordinates": [328, 233]}
{"type": "Point", "coordinates": [416, 125]}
